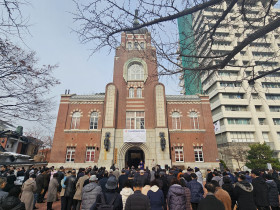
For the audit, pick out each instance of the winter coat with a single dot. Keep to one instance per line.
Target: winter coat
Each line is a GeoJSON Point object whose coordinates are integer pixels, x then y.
{"type": "Point", "coordinates": [125, 193]}
{"type": "Point", "coordinates": [27, 196]}
{"type": "Point", "coordinates": [116, 173]}
{"type": "Point", "coordinates": [79, 187]}
{"type": "Point", "coordinates": [3, 195]}
{"type": "Point", "coordinates": [52, 190]}
{"type": "Point", "coordinates": [145, 189]}
{"type": "Point", "coordinates": [122, 180]}
{"type": "Point", "coordinates": [102, 182]}
{"type": "Point", "coordinates": [156, 198]}
{"type": "Point", "coordinates": [188, 196]}
{"type": "Point", "coordinates": [229, 188]}
{"type": "Point", "coordinates": [243, 193]}
{"type": "Point", "coordinates": [109, 195]}
{"type": "Point", "coordinates": [137, 201]}
{"type": "Point", "coordinates": [39, 183]}
{"type": "Point", "coordinates": [176, 197]}
{"type": "Point", "coordinates": [70, 188]}
{"type": "Point", "coordinates": [89, 194]}
{"type": "Point", "coordinates": [260, 192]}
{"type": "Point", "coordinates": [273, 198]}
{"type": "Point", "coordinates": [199, 177]}
{"type": "Point", "coordinates": [223, 196]}
{"type": "Point", "coordinates": [12, 203]}
{"type": "Point", "coordinates": [196, 191]}
{"type": "Point", "coordinates": [210, 202]}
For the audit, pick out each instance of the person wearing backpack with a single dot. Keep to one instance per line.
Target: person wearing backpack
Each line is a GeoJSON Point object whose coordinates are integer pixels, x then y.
{"type": "Point", "coordinates": [110, 199]}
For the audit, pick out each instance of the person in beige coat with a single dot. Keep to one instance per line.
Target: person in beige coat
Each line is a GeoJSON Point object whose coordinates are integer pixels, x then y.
{"type": "Point", "coordinates": [79, 187]}
{"type": "Point", "coordinates": [28, 190]}
{"type": "Point", "coordinates": [52, 191]}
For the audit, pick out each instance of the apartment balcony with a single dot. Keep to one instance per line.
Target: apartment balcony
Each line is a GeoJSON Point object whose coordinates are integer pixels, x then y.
{"type": "Point", "coordinates": [261, 115]}
{"type": "Point", "coordinates": [273, 102]}
{"type": "Point", "coordinates": [271, 90]}
{"type": "Point", "coordinates": [240, 114]}
{"type": "Point", "coordinates": [242, 127]}
{"type": "Point", "coordinates": [265, 128]}
{"type": "Point", "coordinates": [275, 115]}
{"type": "Point", "coordinates": [234, 101]}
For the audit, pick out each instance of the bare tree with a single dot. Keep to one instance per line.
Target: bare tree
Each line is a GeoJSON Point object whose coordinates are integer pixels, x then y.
{"type": "Point", "coordinates": [102, 21]}
{"type": "Point", "coordinates": [24, 85]}
{"type": "Point", "coordinates": [237, 152]}
{"type": "Point", "coordinates": [39, 134]}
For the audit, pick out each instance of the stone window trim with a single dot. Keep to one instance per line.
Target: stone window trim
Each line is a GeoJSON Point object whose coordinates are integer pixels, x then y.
{"type": "Point", "coordinates": [93, 121]}
{"type": "Point", "coordinates": [179, 154]}
{"type": "Point", "coordinates": [176, 121]}
{"type": "Point", "coordinates": [194, 118]}
{"type": "Point", "coordinates": [131, 61]}
{"type": "Point", "coordinates": [131, 93]}
{"type": "Point", "coordinates": [94, 110]}
{"type": "Point", "coordinates": [198, 153]}
{"type": "Point", "coordinates": [76, 110]}
{"type": "Point", "coordinates": [90, 154]}
{"type": "Point", "coordinates": [70, 154]}
{"type": "Point", "coordinates": [75, 120]}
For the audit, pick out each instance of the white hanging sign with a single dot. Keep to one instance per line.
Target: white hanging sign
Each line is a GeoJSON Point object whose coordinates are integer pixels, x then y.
{"type": "Point", "coordinates": [134, 135]}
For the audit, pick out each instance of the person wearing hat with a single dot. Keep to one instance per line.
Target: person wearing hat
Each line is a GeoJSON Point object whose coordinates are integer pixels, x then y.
{"type": "Point", "coordinates": [90, 192]}
{"type": "Point", "coordinates": [110, 196]}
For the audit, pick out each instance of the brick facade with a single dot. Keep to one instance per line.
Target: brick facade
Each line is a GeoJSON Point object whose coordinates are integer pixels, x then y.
{"type": "Point", "coordinates": [128, 94]}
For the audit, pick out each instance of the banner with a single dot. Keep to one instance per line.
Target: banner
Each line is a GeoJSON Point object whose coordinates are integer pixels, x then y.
{"type": "Point", "coordinates": [217, 126]}
{"type": "Point", "coordinates": [134, 136]}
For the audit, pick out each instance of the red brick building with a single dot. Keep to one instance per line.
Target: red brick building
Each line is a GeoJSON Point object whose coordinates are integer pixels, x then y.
{"type": "Point", "coordinates": [134, 120]}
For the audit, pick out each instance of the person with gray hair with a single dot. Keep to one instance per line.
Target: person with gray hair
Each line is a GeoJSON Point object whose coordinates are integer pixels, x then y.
{"type": "Point", "coordinates": [3, 194]}
{"type": "Point", "coordinates": [90, 192]}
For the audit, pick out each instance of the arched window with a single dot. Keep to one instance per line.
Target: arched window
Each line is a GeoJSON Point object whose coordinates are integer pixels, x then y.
{"type": "Point", "coordinates": [129, 45]}
{"type": "Point", "coordinates": [75, 123]}
{"type": "Point", "coordinates": [131, 93]}
{"type": "Point", "coordinates": [176, 122]}
{"type": "Point", "coordinates": [142, 45]}
{"type": "Point", "coordinates": [139, 92]}
{"type": "Point", "coordinates": [93, 122]}
{"type": "Point", "coordinates": [194, 120]}
{"type": "Point", "coordinates": [135, 72]}
{"type": "Point", "coordinates": [136, 45]}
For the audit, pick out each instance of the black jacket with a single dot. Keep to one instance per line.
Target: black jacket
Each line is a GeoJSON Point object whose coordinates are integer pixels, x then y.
{"type": "Point", "coordinates": [12, 203]}
{"type": "Point", "coordinates": [243, 193]}
{"type": "Point", "coordinates": [137, 201]}
{"type": "Point", "coordinates": [109, 195]}
{"type": "Point", "coordinates": [272, 193]}
{"type": "Point", "coordinates": [122, 180]}
{"type": "Point", "coordinates": [40, 183]}
{"type": "Point", "coordinates": [210, 202]}
{"type": "Point", "coordinates": [260, 192]}
{"type": "Point", "coordinates": [70, 184]}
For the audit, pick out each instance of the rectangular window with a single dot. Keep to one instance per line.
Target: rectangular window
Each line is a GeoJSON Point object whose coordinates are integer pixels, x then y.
{"type": "Point", "coordinates": [233, 96]}
{"type": "Point", "coordinates": [239, 121]}
{"type": "Point", "coordinates": [179, 154]}
{"type": "Point", "coordinates": [135, 120]}
{"type": "Point", "coordinates": [176, 124]}
{"type": "Point", "coordinates": [278, 134]}
{"type": "Point", "coordinates": [272, 96]}
{"type": "Point", "coordinates": [70, 154]}
{"type": "Point", "coordinates": [198, 154]}
{"type": "Point", "coordinates": [270, 85]}
{"type": "Point", "coordinates": [276, 121]}
{"type": "Point", "coordinates": [90, 154]}
{"type": "Point", "coordinates": [236, 108]}
{"type": "Point", "coordinates": [242, 136]}
{"type": "Point", "coordinates": [230, 84]}
{"type": "Point", "coordinates": [262, 121]}
{"type": "Point", "coordinates": [265, 136]}
{"type": "Point", "coordinates": [139, 92]}
{"type": "Point", "coordinates": [274, 108]}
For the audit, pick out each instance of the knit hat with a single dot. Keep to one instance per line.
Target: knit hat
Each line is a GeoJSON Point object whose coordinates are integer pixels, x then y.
{"type": "Point", "coordinates": [112, 183]}
{"type": "Point", "coordinates": [93, 178]}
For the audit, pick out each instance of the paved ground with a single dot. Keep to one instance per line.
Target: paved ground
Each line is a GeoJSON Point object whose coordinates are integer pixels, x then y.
{"type": "Point", "coordinates": [43, 206]}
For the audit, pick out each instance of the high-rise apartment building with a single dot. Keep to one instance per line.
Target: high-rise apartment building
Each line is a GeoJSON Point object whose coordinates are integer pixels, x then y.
{"type": "Point", "coordinates": [243, 113]}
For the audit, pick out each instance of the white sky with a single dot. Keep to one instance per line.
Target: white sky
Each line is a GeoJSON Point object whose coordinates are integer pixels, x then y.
{"type": "Point", "coordinates": [51, 38]}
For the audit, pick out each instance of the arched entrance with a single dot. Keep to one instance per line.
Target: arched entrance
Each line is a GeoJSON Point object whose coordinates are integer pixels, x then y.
{"type": "Point", "coordinates": [133, 156]}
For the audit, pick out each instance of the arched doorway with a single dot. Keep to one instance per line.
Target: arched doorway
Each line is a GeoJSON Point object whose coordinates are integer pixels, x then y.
{"type": "Point", "coordinates": [133, 156]}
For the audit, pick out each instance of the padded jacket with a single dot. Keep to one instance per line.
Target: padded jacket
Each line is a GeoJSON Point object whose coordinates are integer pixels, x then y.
{"type": "Point", "coordinates": [176, 197]}
{"type": "Point", "coordinates": [196, 191]}
{"type": "Point", "coordinates": [89, 195]}
{"type": "Point", "coordinates": [273, 198]}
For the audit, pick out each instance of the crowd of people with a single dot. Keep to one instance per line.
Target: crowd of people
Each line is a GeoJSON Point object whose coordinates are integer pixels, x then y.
{"type": "Point", "coordinates": [138, 189]}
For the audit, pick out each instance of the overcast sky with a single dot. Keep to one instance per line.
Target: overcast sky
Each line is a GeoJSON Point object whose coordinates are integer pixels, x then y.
{"type": "Point", "coordinates": [51, 38]}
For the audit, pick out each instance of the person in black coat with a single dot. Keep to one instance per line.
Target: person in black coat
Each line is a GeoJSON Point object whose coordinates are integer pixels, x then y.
{"type": "Point", "coordinates": [12, 202]}
{"type": "Point", "coordinates": [102, 182]}
{"type": "Point", "coordinates": [70, 190]}
{"type": "Point", "coordinates": [260, 190]}
{"type": "Point", "coordinates": [110, 194]}
{"type": "Point", "coordinates": [210, 202]}
{"type": "Point", "coordinates": [40, 187]}
{"type": "Point", "coordinates": [228, 186]}
{"type": "Point", "coordinates": [243, 194]}
{"type": "Point", "coordinates": [272, 192]}
{"type": "Point", "coordinates": [137, 201]}
{"type": "Point", "coordinates": [122, 179]}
